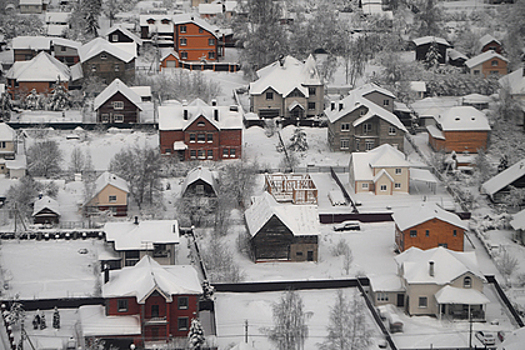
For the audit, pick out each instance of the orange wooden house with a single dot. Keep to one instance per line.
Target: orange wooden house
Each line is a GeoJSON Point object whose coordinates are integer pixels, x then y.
{"type": "Point", "coordinates": [428, 226]}
{"type": "Point", "coordinates": [195, 39]}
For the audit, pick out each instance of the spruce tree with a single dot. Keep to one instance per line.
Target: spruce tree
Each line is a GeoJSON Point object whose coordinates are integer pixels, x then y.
{"type": "Point", "coordinates": [56, 319]}
{"type": "Point", "coordinates": [43, 321]}
{"type": "Point", "coordinates": [196, 335]}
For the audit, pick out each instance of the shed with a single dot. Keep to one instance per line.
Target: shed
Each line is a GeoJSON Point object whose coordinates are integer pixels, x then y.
{"type": "Point", "coordinates": [46, 210]}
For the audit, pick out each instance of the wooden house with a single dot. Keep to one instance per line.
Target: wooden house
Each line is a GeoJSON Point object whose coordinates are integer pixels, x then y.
{"type": "Point", "coordinates": [46, 210]}
{"type": "Point", "coordinates": [119, 34]}
{"type": "Point", "coordinates": [117, 103]}
{"type": "Point", "coordinates": [33, 6]}
{"type": "Point", "coordinates": [132, 240]}
{"type": "Point", "coordinates": [514, 83]}
{"type": "Point", "coordinates": [428, 226]}
{"type": "Point", "coordinates": [284, 232]}
{"type": "Point", "coordinates": [161, 309]}
{"type": "Point", "coordinates": [200, 182]}
{"type": "Point", "coordinates": [488, 43]}
{"type": "Point", "coordinates": [456, 58]}
{"type": "Point", "coordinates": [198, 131]}
{"type": "Point", "coordinates": [498, 186]}
{"type": "Point", "coordinates": [291, 188]}
{"type": "Point", "coordinates": [518, 225]}
{"type": "Point", "coordinates": [288, 88]}
{"type": "Point", "coordinates": [111, 194]}
{"type": "Point", "coordinates": [460, 129]}
{"type": "Point", "coordinates": [26, 48]}
{"type": "Point", "coordinates": [423, 44]}
{"type": "Point", "coordinates": [487, 63]}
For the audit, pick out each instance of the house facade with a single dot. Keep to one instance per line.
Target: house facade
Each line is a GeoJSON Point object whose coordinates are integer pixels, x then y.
{"type": "Point", "coordinates": [117, 103]}
{"type": "Point", "coordinates": [33, 6]}
{"type": "Point", "coordinates": [428, 226]}
{"type": "Point", "coordinates": [514, 83]}
{"type": "Point", "coordinates": [110, 194]}
{"type": "Point", "coordinates": [423, 44]}
{"type": "Point", "coordinates": [487, 63]}
{"type": "Point", "coordinates": [289, 89]}
{"type": "Point", "coordinates": [198, 131]}
{"type": "Point", "coordinates": [46, 210]}
{"type": "Point", "coordinates": [488, 43]}
{"type": "Point", "coordinates": [119, 34]}
{"type": "Point", "coordinates": [200, 182]}
{"type": "Point", "coordinates": [26, 48]}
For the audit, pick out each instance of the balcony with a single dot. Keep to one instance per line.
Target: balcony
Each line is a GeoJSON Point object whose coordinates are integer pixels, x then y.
{"type": "Point", "coordinates": [156, 321]}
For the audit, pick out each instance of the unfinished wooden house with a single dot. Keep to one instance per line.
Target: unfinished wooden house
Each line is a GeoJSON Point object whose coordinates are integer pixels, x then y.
{"type": "Point", "coordinates": [291, 188]}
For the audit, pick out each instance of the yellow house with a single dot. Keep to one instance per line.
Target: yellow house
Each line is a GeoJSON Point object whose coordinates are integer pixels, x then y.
{"type": "Point", "coordinates": [111, 193]}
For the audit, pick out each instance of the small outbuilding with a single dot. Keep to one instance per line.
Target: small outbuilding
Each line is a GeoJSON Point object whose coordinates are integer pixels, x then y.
{"type": "Point", "coordinates": [499, 186]}
{"type": "Point", "coordinates": [46, 210]}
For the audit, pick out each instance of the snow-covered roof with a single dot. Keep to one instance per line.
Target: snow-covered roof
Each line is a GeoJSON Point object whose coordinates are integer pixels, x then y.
{"type": "Point", "coordinates": [369, 88]}
{"type": "Point", "coordinates": [292, 74]}
{"type": "Point", "coordinates": [125, 31]}
{"type": "Point", "coordinates": [376, 111]}
{"type": "Point", "coordinates": [230, 5]}
{"type": "Point", "coordinates": [242, 345]}
{"type": "Point", "coordinates": [463, 118]}
{"type": "Point", "coordinates": [57, 17]}
{"type": "Point", "coordinates": [401, 107]}
{"type": "Point", "coordinates": [141, 236]}
{"type": "Point", "coordinates": [148, 276]}
{"type": "Point", "coordinates": [210, 9]}
{"type": "Point", "coordinates": [487, 39]}
{"type": "Point", "coordinates": [503, 179]}
{"type": "Point", "coordinates": [430, 39]}
{"type": "Point", "coordinates": [422, 175]}
{"type": "Point", "coordinates": [301, 220]}
{"type": "Point", "coordinates": [434, 106]}
{"type": "Point", "coordinates": [56, 29]}
{"type": "Point", "coordinates": [386, 283]}
{"type": "Point", "coordinates": [514, 340]}
{"type": "Point", "coordinates": [382, 173]}
{"type": "Point", "coordinates": [418, 86]}
{"type": "Point", "coordinates": [485, 56]}
{"type": "Point", "coordinates": [94, 322]}
{"type": "Point", "coordinates": [514, 81]}
{"type": "Point", "coordinates": [199, 173]}
{"type": "Point", "coordinates": [158, 25]}
{"type": "Point", "coordinates": [518, 220]}
{"type": "Point", "coordinates": [384, 156]}
{"type": "Point", "coordinates": [46, 202]}
{"type": "Point", "coordinates": [76, 71]}
{"type": "Point", "coordinates": [454, 295]}
{"type": "Point", "coordinates": [117, 86]}
{"type": "Point", "coordinates": [165, 53]}
{"type": "Point", "coordinates": [41, 42]}
{"type": "Point", "coordinates": [420, 213]}
{"type": "Point", "coordinates": [31, 2]}
{"type": "Point", "coordinates": [476, 99]}
{"type": "Point", "coordinates": [171, 116]}
{"type": "Point", "coordinates": [435, 132]}
{"type": "Point", "coordinates": [142, 91]}
{"type": "Point", "coordinates": [110, 179]}
{"type": "Point", "coordinates": [43, 67]}
{"type": "Point", "coordinates": [189, 18]}
{"type": "Point", "coordinates": [7, 133]}
{"type": "Point", "coordinates": [99, 45]}
{"type": "Point", "coordinates": [19, 163]}
{"type": "Point", "coordinates": [448, 265]}
{"type": "Point", "coordinates": [454, 54]}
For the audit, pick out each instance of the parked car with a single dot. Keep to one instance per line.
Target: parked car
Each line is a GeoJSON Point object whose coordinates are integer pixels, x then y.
{"type": "Point", "coordinates": [347, 226]}
{"type": "Point", "coordinates": [486, 338]}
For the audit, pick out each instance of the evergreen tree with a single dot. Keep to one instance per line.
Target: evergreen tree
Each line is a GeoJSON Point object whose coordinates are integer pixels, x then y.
{"type": "Point", "coordinates": [32, 101]}
{"type": "Point", "coordinates": [432, 57]}
{"type": "Point", "coordinates": [56, 319]}
{"type": "Point", "coordinates": [91, 10]}
{"type": "Point", "coordinates": [298, 140]}
{"type": "Point", "coordinates": [429, 19]}
{"type": "Point", "coordinates": [43, 321]}
{"type": "Point", "coordinates": [5, 107]}
{"type": "Point", "coordinates": [59, 98]}
{"type": "Point", "coordinates": [196, 335]}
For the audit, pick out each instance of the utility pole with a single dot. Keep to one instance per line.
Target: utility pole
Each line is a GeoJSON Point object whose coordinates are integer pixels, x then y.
{"type": "Point", "coordinates": [246, 331]}
{"type": "Point", "coordinates": [470, 333]}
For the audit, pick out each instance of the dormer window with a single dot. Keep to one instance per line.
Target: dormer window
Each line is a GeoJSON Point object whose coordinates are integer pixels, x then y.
{"type": "Point", "coordinates": [165, 21]}
{"type": "Point", "coordinates": [103, 56]}
{"type": "Point", "coordinates": [151, 21]}
{"type": "Point", "coordinates": [467, 282]}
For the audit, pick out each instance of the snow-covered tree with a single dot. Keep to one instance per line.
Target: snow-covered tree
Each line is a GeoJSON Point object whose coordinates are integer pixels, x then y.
{"type": "Point", "coordinates": [238, 179]}
{"type": "Point", "coordinates": [77, 160]}
{"type": "Point", "coordinates": [432, 56]}
{"type": "Point", "coordinates": [290, 329]}
{"type": "Point", "coordinates": [44, 158]}
{"type": "Point", "coordinates": [14, 25]}
{"type": "Point", "coordinates": [59, 98]}
{"type": "Point", "coordinates": [298, 141]}
{"type": "Point", "coordinates": [5, 107]}
{"type": "Point", "coordinates": [507, 264]}
{"type": "Point", "coordinates": [218, 259]}
{"type": "Point", "coordinates": [429, 18]}
{"type": "Point", "coordinates": [515, 198]}
{"type": "Point", "coordinates": [113, 7]}
{"type": "Point", "coordinates": [23, 194]}
{"type": "Point", "coordinates": [91, 11]}
{"type": "Point", "coordinates": [36, 320]}
{"type": "Point", "coordinates": [195, 335]}
{"type": "Point", "coordinates": [33, 100]}
{"type": "Point", "coordinates": [484, 169]}
{"type": "Point", "coordinates": [56, 318]}
{"type": "Point", "coordinates": [43, 321]}
{"type": "Point", "coordinates": [16, 313]}
{"type": "Point", "coordinates": [343, 249]}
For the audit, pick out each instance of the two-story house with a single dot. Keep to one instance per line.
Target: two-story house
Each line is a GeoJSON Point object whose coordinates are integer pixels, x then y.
{"type": "Point", "coordinates": [133, 240]}
{"type": "Point", "coordinates": [198, 131]}
{"type": "Point", "coordinates": [288, 88]}
{"type": "Point", "coordinates": [111, 193]}
{"type": "Point", "coordinates": [488, 43]}
{"type": "Point", "coordinates": [107, 61]}
{"type": "Point", "coordinates": [11, 163]}
{"type": "Point", "coordinates": [117, 103]}
{"type": "Point", "coordinates": [363, 120]}
{"type": "Point", "coordinates": [119, 34]}
{"type": "Point", "coordinates": [144, 303]}
{"type": "Point", "coordinates": [57, 23]}
{"type": "Point", "coordinates": [428, 226]}
{"type": "Point", "coordinates": [487, 63]}
{"type": "Point", "coordinates": [382, 171]}
{"type": "Point", "coordinates": [26, 48]}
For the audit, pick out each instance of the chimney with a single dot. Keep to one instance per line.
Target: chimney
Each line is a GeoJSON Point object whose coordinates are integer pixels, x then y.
{"type": "Point", "coordinates": [214, 102]}
{"type": "Point", "coordinates": [136, 222]}
{"type": "Point", "coordinates": [281, 60]}
{"type": "Point", "coordinates": [332, 105]}
{"type": "Point", "coordinates": [106, 273]}
{"type": "Point", "coordinates": [431, 268]}
{"type": "Point", "coordinates": [185, 111]}
{"type": "Point", "coordinates": [341, 106]}
{"type": "Point", "coordinates": [216, 114]}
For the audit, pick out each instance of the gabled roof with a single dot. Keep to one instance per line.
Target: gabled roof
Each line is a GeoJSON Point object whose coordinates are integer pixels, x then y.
{"type": "Point", "coordinates": [147, 277]}
{"type": "Point", "coordinates": [454, 54]}
{"type": "Point", "coordinates": [368, 88]}
{"type": "Point", "coordinates": [515, 81]}
{"type": "Point", "coordinates": [169, 52]}
{"type": "Point", "coordinates": [383, 173]}
{"type": "Point", "coordinates": [199, 173]}
{"type": "Point", "coordinates": [126, 32]}
{"type": "Point", "coordinates": [429, 39]}
{"type": "Point", "coordinates": [420, 213]}
{"type": "Point", "coordinates": [301, 220]}
{"type": "Point", "coordinates": [189, 18]}
{"type": "Point", "coordinates": [448, 265]}
{"type": "Point", "coordinates": [487, 39]}
{"type": "Point", "coordinates": [518, 220]}
{"type": "Point", "coordinates": [99, 45]}
{"type": "Point", "coordinates": [7, 133]}
{"type": "Point", "coordinates": [285, 78]}
{"type": "Point", "coordinates": [41, 42]}
{"type": "Point", "coordinates": [463, 118]}
{"type": "Point", "coordinates": [130, 236]}
{"type": "Point", "coordinates": [46, 202]}
{"type": "Point", "coordinates": [171, 116]}
{"type": "Point", "coordinates": [454, 295]}
{"type": "Point", "coordinates": [476, 99]}
{"type": "Point", "coordinates": [43, 67]}
{"type": "Point", "coordinates": [117, 86]}
{"type": "Point", "coordinates": [210, 9]}
{"type": "Point", "coordinates": [503, 179]}
{"type": "Point", "coordinates": [376, 111]}
{"type": "Point", "coordinates": [109, 179]}
{"type": "Point", "coordinates": [485, 56]}
{"type": "Point", "coordinates": [384, 156]}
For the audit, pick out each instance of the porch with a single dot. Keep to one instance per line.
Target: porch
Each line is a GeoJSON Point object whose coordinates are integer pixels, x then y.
{"type": "Point", "coordinates": [461, 304]}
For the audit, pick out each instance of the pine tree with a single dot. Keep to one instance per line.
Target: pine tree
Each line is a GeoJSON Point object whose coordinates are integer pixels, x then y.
{"type": "Point", "coordinates": [196, 335]}
{"type": "Point", "coordinates": [43, 321]}
{"type": "Point", "coordinates": [432, 57]}
{"type": "Point", "coordinates": [59, 99]}
{"type": "Point", "coordinates": [91, 10]}
{"type": "Point", "coordinates": [56, 319]}
{"type": "Point", "coordinates": [298, 140]}
{"type": "Point", "coordinates": [32, 101]}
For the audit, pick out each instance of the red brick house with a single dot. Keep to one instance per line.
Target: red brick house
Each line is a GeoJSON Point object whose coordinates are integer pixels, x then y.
{"type": "Point", "coordinates": [200, 131]}
{"type": "Point", "coordinates": [428, 226]}
{"type": "Point", "coordinates": [117, 103]}
{"type": "Point", "coordinates": [158, 302]}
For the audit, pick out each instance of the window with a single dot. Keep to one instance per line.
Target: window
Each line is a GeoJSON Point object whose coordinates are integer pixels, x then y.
{"type": "Point", "coordinates": [202, 154]}
{"type": "Point", "coordinates": [200, 30]}
{"type": "Point", "coordinates": [122, 305]}
{"type": "Point", "coordinates": [386, 102]}
{"type": "Point", "coordinates": [183, 42]}
{"type": "Point", "coordinates": [382, 188]}
{"type": "Point", "coordinates": [345, 127]}
{"type": "Point", "coordinates": [455, 233]}
{"type": "Point", "coordinates": [413, 233]}
{"type": "Point", "coordinates": [105, 118]}
{"type": "Point", "coordinates": [182, 324]}
{"type": "Point", "coordinates": [193, 154]}
{"type": "Point", "coordinates": [362, 111]}
{"type": "Point", "coordinates": [183, 29]}
{"type": "Point", "coordinates": [364, 186]}
{"type": "Point", "coordinates": [210, 154]}
{"type": "Point", "coordinates": [311, 106]}
{"type": "Point", "coordinates": [494, 63]}
{"type": "Point", "coordinates": [118, 104]}
{"type": "Point", "coordinates": [423, 302]}
{"type": "Point", "coordinates": [467, 282]}
{"type": "Point", "coordinates": [131, 257]}
{"type": "Point", "coordinates": [118, 118]}
{"type": "Point", "coordinates": [398, 171]}
{"type": "Point", "coordinates": [397, 185]}
{"type": "Point", "coordinates": [93, 67]}
{"type": "Point", "coordinates": [2, 144]}
{"type": "Point", "coordinates": [183, 303]}
{"type": "Point", "coordinates": [183, 55]}
{"type": "Point", "coordinates": [225, 153]}
{"type": "Point", "coordinates": [391, 130]}
{"type": "Point", "coordinates": [167, 151]}
{"type": "Point", "coordinates": [103, 56]}
{"type": "Point", "coordinates": [62, 48]}
{"type": "Point", "coordinates": [117, 68]}
{"type": "Point", "coordinates": [312, 91]}
{"type": "Point", "coordinates": [211, 55]}
{"type": "Point", "coordinates": [209, 138]}
{"type": "Point", "coordinates": [427, 233]}
{"type": "Point", "coordinates": [160, 251]}
{"type": "Point", "coordinates": [114, 37]}
{"type": "Point", "coordinates": [201, 124]}
{"type": "Point", "coordinates": [211, 42]}
{"type": "Point", "coordinates": [476, 72]}
{"type": "Point", "coordinates": [269, 96]}
{"type": "Point", "coordinates": [382, 297]}
{"type": "Point", "coordinates": [299, 253]}
{"type": "Point", "coordinates": [494, 72]}
{"type": "Point", "coordinates": [112, 198]}
{"type": "Point", "coordinates": [444, 245]}
{"type": "Point", "coordinates": [165, 21]}
{"type": "Point", "coordinates": [345, 144]}
{"type": "Point", "coordinates": [154, 311]}
{"type": "Point", "coordinates": [367, 127]}
{"type": "Point", "coordinates": [201, 138]}
{"type": "Point", "coordinates": [369, 144]}
{"type": "Point", "coordinates": [192, 138]}
{"type": "Point", "coordinates": [357, 145]}
{"type": "Point", "coordinates": [232, 153]}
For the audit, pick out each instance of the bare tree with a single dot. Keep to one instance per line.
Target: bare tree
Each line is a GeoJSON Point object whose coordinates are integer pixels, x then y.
{"type": "Point", "coordinates": [238, 179]}
{"type": "Point", "coordinates": [515, 198]}
{"type": "Point", "coordinates": [507, 264]}
{"type": "Point", "coordinates": [44, 159]}
{"type": "Point", "coordinates": [290, 329]}
{"type": "Point", "coordinates": [218, 259]}
{"type": "Point", "coordinates": [77, 160]}
{"type": "Point", "coordinates": [343, 249]}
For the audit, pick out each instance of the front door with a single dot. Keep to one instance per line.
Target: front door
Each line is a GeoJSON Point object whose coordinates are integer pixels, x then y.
{"type": "Point", "coordinates": [400, 300]}
{"type": "Point", "coordinates": [310, 255]}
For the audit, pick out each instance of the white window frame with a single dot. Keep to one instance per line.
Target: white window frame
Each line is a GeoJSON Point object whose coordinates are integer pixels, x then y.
{"type": "Point", "coordinates": [391, 130]}
{"type": "Point", "coordinates": [369, 145]}
{"type": "Point", "coordinates": [211, 42]}
{"type": "Point", "coordinates": [367, 127]}
{"type": "Point", "coordinates": [183, 42]}
{"type": "Point", "coordinates": [399, 171]}
{"type": "Point", "coordinates": [365, 186]}
{"type": "Point", "coordinates": [118, 105]}
{"type": "Point", "coordinates": [345, 127]}
{"type": "Point", "coordinates": [344, 144]}
{"type": "Point", "coordinates": [420, 304]}
{"type": "Point", "coordinates": [112, 198]}
{"type": "Point", "coordinates": [383, 188]}
{"type": "Point", "coordinates": [118, 118]}
{"type": "Point", "coordinates": [114, 37]}
{"type": "Point", "coordinates": [397, 185]}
